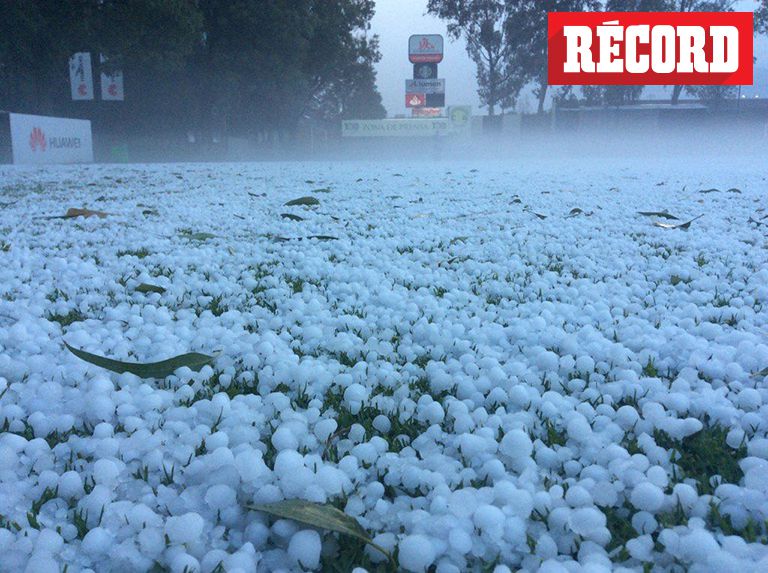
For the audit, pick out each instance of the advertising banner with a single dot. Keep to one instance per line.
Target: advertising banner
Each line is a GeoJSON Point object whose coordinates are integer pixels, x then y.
{"type": "Point", "coordinates": [415, 100]}
{"type": "Point", "coordinates": [81, 76]}
{"type": "Point", "coordinates": [37, 139]}
{"type": "Point", "coordinates": [426, 112]}
{"type": "Point", "coordinates": [425, 86]}
{"type": "Point", "coordinates": [425, 48]}
{"type": "Point", "coordinates": [394, 127]}
{"type": "Point", "coordinates": [424, 71]}
{"type": "Point", "coordinates": [434, 100]}
{"type": "Point", "coordinates": [460, 117]}
{"type": "Point", "coordinates": [458, 123]}
{"type": "Point", "coordinates": [111, 84]}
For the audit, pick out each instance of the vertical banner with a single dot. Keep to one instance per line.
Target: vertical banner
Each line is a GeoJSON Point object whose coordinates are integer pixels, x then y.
{"type": "Point", "coordinates": [81, 76]}
{"type": "Point", "coordinates": [111, 83]}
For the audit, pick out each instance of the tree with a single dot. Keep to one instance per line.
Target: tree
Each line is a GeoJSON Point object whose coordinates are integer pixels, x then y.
{"type": "Point", "coordinates": [353, 93]}
{"type": "Point", "coordinates": [254, 65]}
{"type": "Point", "coordinates": [611, 95]}
{"type": "Point", "coordinates": [527, 24]}
{"type": "Point", "coordinates": [266, 64]}
{"type": "Point", "coordinates": [150, 35]}
{"type": "Point", "coordinates": [694, 6]}
{"type": "Point", "coordinates": [339, 62]}
{"type": "Point", "coordinates": [36, 40]}
{"type": "Point", "coordinates": [151, 42]}
{"type": "Point", "coordinates": [148, 39]}
{"type": "Point", "coordinates": [19, 30]}
{"type": "Point", "coordinates": [761, 17]}
{"type": "Point", "coordinates": [621, 95]}
{"type": "Point", "coordinates": [713, 96]}
{"type": "Point", "coordinates": [482, 23]}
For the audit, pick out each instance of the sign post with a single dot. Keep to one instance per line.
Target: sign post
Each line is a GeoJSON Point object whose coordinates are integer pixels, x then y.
{"type": "Point", "coordinates": [425, 90]}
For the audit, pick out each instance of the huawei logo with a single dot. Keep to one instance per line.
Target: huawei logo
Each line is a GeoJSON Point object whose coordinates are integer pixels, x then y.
{"type": "Point", "coordinates": [37, 139]}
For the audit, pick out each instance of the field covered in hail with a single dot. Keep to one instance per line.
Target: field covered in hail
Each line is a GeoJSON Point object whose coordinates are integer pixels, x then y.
{"type": "Point", "coordinates": [486, 367]}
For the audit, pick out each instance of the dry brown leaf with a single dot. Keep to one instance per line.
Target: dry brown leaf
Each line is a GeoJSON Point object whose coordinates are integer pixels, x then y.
{"type": "Point", "coordinates": [74, 212]}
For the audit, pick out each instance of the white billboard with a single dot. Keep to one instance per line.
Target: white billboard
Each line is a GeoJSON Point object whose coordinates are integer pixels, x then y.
{"type": "Point", "coordinates": [81, 76]}
{"type": "Point", "coordinates": [38, 139]}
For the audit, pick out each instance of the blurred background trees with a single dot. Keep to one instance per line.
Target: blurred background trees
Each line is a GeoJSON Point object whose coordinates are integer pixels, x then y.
{"type": "Point", "coordinates": [761, 17]}
{"type": "Point", "coordinates": [244, 67]}
{"type": "Point", "coordinates": [240, 66]}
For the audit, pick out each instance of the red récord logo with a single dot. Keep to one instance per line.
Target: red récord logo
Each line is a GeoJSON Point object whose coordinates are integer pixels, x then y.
{"type": "Point", "coordinates": [650, 48]}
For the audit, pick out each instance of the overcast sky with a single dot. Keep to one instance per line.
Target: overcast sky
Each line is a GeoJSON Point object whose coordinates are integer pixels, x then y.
{"type": "Point", "coordinates": [396, 20]}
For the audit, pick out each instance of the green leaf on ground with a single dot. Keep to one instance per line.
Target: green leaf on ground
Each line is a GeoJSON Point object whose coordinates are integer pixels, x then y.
{"type": "Point", "coordinates": [192, 360]}
{"type": "Point", "coordinates": [147, 288]}
{"type": "Point", "coordinates": [685, 225]}
{"type": "Point", "coordinates": [319, 515]}
{"type": "Point", "coordinates": [197, 236]}
{"type": "Point", "coordinates": [662, 214]}
{"type": "Point", "coordinates": [303, 201]}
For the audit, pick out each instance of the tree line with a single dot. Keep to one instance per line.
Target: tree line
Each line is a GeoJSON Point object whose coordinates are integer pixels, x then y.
{"type": "Point", "coordinates": [243, 66]}
{"type": "Point", "coordinates": [507, 40]}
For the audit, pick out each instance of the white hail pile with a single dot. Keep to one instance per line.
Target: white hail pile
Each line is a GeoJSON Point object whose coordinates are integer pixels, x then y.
{"type": "Point", "coordinates": [473, 383]}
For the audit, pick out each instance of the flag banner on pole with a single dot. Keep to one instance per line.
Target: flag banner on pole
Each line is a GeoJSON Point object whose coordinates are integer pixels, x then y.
{"type": "Point", "coordinates": [81, 76]}
{"type": "Point", "coordinates": [111, 83]}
